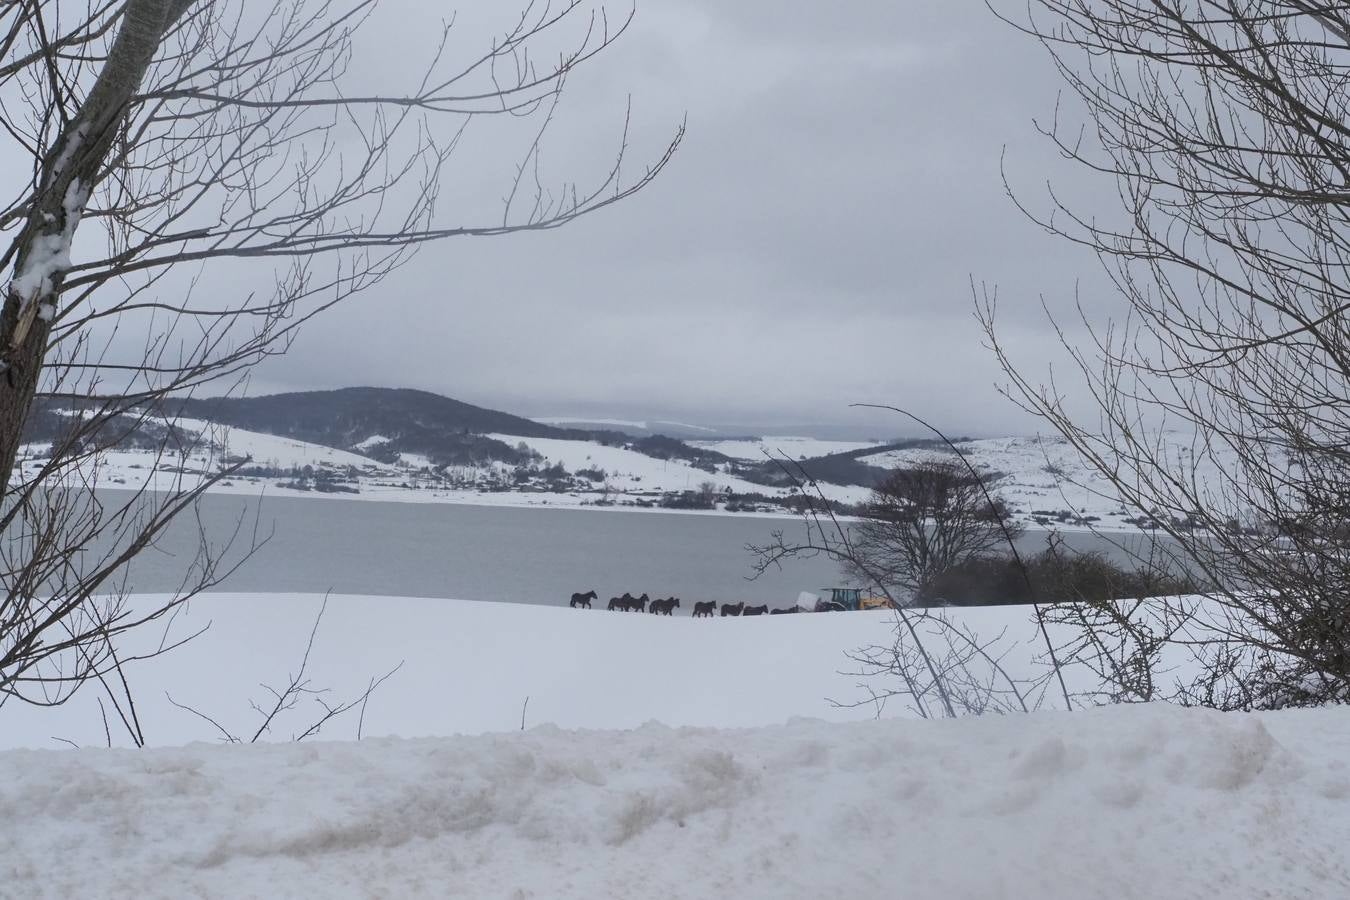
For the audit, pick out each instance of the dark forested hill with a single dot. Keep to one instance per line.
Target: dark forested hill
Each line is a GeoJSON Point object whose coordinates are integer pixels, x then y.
{"type": "Point", "coordinates": [349, 415]}
{"type": "Point", "coordinates": [446, 430]}
{"type": "Point", "coordinates": [384, 422]}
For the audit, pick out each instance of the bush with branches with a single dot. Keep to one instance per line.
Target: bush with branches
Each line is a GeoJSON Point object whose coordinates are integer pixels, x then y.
{"type": "Point", "coordinates": [208, 176]}
{"type": "Point", "coordinates": [1225, 128]}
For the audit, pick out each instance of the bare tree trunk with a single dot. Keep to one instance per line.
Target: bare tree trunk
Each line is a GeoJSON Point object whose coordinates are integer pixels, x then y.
{"type": "Point", "coordinates": [188, 132]}
{"type": "Point", "coordinates": [69, 173]}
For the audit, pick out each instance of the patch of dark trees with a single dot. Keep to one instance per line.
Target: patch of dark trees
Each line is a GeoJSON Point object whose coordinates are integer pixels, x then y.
{"type": "Point", "coordinates": [51, 421]}
{"type": "Point", "coordinates": [845, 467]}
{"type": "Point", "coordinates": [1050, 577]}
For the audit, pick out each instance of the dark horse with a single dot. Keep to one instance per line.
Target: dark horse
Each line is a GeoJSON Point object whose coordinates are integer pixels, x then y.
{"type": "Point", "coordinates": [732, 609]}
{"type": "Point", "coordinates": [624, 603]}
{"type": "Point", "coordinates": [583, 601]}
{"type": "Point", "coordinates": [784, 612]}
{"type": "Point", "coordinates": [705, 609]}
{"type": "Point", "coordinates": [755, 611]}
{"type": "Point", "coordinates": [665, 607]}
{"type": "Point", "coordinates": [640, 604]}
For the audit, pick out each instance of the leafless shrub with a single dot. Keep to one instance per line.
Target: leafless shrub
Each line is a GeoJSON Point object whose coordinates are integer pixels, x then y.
{"type": "Point", "coordinates": [970, 667]}
{"type": "Point", "coordinates": [284, 699]}
{"type": "Point", "coordinates": [938, 665]}
{"type": "Point", "coordinates": [1226, 130]}
{"type": "Point", "coordinates": [206, 177]}
{"type": "Point", "coordinates": [924, 520]}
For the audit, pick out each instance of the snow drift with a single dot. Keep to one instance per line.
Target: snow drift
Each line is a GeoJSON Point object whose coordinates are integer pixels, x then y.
{"type": "Point", "coordinates": [1119, 803]}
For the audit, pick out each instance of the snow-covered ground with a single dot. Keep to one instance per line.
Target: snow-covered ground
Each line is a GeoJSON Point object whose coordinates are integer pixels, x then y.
{"type": "Point", "coordinates": [1043, 477]}
{"type": "Point", "coordinates": [630, 471]}
{"type": "Point", "coordinates": [270, 449]}
{"type": "Point", "coordinates": [1126, 803]}
{"type": "Point", "coordinates": [1037, 474]}
{"type": "Point", "coordinates": [467, 667]}
{"type": "Point", "coordinates": [701, 778]}
{"type": "Point", "coordinates": [463, 668]}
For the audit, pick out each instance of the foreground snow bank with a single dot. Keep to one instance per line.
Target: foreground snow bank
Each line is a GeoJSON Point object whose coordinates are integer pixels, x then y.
{"type": "Point", "coordinates": [1116, 803]}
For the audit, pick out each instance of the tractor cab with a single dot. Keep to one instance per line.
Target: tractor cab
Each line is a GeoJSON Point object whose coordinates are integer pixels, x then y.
{"type": "Point", "coordinates": [850, 600]}
{"type": "Point", "coordinates": [840, 600]}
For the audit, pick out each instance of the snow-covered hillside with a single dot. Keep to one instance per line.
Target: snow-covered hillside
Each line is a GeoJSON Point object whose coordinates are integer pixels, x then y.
{"type": "Point", "coordinates": [630, 476]}
{"type": "Point", "coordinates": [628, 470]}
{"type": "Point", "coordinates": [1042, 478]}
{"type": "Point", "coordinates": [267, 449]}
{"type": "Point", "coordinates": [1045, 480]}
{"type": "Point", "coordinates": [1125, 803]}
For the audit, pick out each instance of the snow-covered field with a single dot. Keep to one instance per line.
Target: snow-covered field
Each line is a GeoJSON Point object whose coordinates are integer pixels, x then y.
{"type": "Point", "coordinates": [463, 672]}
{"type": "Point", "coordinates": [630, 471]}
{"type": "Point", "coordinates": [701, 779]}
{"type": "Point", "coordinates": [1043, 477]}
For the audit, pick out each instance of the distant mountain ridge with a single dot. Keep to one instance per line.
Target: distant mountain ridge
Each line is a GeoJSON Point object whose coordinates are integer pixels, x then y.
{"type": "Point", "coordinates": [358, 412]}
{"type": "Point", "coordinates": [386, 424]}
{"type": "Point", "coordinates": [645, 428]}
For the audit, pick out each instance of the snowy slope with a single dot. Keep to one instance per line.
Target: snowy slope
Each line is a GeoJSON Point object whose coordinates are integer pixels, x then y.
{"type": "Point", "coordinates": [269, 449]}
{"type": "Point", "coordinates": [1125, 803]}
{"type": "Point", "coordinates": [1037, 473]}
{"type": "Point", "coordinates": [1046, 475]}
{"type": "Point", "coordinates": [462, 667]}
{"type": "Point", "coordinates": [215, 443]}
{"type": "Point", "coordinates": [629, 470]}
{"type": "Point", "coordinates": [468, 667]}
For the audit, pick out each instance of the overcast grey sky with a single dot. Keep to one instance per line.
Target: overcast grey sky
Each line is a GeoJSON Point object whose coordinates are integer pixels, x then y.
{"type": "Point", "coordinates": [811, 245]}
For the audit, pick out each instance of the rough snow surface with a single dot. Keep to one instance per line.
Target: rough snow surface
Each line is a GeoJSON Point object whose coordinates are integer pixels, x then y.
{"type": "Point", "coordinates": [49, 254]}
{"type": "Point", "coordinates": [1116, 803]}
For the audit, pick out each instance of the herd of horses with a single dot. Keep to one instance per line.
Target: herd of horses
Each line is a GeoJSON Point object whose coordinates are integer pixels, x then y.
{"type": "Point", "coordinates": [667, 607]}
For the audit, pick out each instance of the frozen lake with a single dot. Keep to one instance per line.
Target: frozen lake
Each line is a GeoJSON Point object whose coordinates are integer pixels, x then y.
{"type": "Point", "coordinates": [503, 554]}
